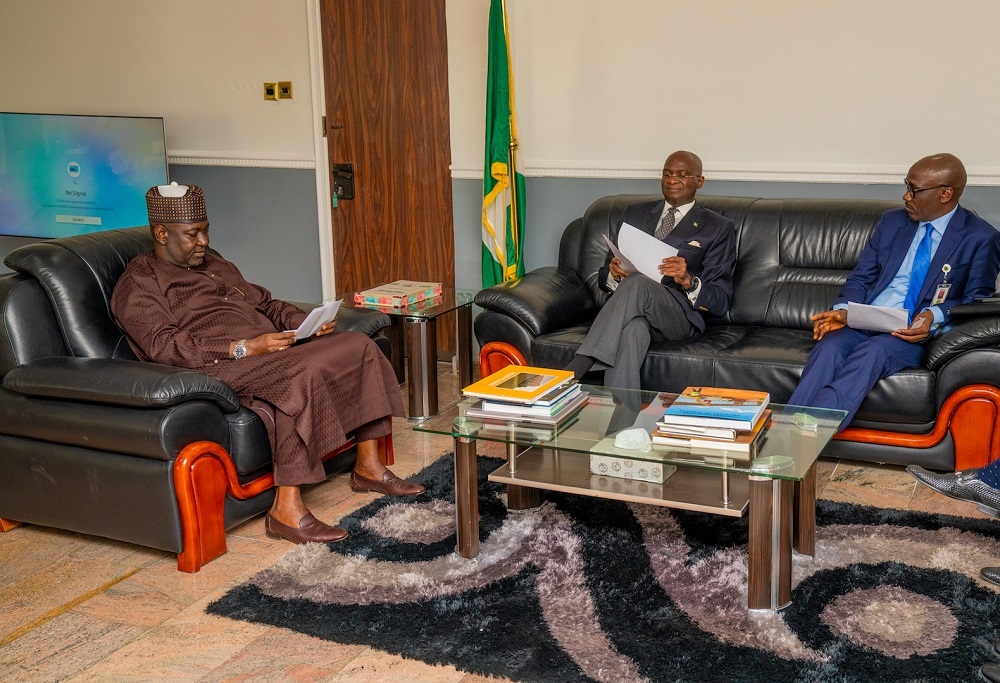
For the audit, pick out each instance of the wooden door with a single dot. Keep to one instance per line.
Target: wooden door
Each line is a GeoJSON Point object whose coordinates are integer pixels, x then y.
{"type": "Point", "coordinates": [386, 73]}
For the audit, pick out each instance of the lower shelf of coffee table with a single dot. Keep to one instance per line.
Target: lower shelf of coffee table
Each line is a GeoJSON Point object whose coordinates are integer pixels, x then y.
{"type": "Point", "coordinates": [688, 488]}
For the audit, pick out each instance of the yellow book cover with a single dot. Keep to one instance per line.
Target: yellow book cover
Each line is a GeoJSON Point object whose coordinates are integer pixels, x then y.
{"type": "Point", "coordinates": [518, 383]}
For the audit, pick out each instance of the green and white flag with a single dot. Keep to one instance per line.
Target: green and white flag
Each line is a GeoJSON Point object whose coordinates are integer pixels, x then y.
{"type": "Point", "coordinates": [503, 186]}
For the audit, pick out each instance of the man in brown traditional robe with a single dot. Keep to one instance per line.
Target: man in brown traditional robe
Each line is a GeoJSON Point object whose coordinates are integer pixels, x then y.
{"type": "Point", "coordinates": [182, 305]}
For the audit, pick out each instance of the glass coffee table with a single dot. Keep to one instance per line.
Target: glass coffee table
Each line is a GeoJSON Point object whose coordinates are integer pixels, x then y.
{"type": "Point", "coordinates": [777, 487]}
{"type": "Point", "coordinates": [419, 322]}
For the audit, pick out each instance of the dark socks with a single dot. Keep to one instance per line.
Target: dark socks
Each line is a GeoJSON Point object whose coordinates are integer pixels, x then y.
{"type": "Point", "coordinates": [580, 365]}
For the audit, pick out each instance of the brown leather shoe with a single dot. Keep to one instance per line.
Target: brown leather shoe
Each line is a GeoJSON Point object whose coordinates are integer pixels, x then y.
{"type": "Point", "coordinates": [310, 530]}
{"type": "Point", "coordinates": [390, 485]}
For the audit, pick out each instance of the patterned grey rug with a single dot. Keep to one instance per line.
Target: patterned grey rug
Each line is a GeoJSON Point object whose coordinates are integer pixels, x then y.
{"type": "Point", "coordinates": [583, 589]}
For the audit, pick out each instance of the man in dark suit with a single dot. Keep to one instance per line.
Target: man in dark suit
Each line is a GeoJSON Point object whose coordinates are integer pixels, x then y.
{"type": "Point", "coordinates": [946, 253]}
{"type": "Point", "coordinates": [698, 280]}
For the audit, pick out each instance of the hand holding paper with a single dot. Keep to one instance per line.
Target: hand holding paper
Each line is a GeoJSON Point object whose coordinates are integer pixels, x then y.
{"type": "Point", "coordinates": [639, 252]}
{"type": "Point", "coordinates": [316, 319]}
{"type": "Point", "coordinates": [876, 318]}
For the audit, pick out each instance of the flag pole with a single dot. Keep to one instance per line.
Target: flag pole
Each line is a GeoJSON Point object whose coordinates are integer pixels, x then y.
{"type": "Point", "coordinates": [515, 218]}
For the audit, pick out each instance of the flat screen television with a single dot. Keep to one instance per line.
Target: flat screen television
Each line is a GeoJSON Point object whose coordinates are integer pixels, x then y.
{"type": "Point", "coordinates": [64, 175]}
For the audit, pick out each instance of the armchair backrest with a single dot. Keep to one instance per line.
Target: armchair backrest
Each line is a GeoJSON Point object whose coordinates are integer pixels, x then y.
{"type": "Point", "coordinates": [78, 275]}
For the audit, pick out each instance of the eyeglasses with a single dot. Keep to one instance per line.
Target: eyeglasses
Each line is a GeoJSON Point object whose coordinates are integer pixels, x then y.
{"type": "Point", "coordinates": [680, 175]}
{"type": "Point", "coordinates": [914, 190]}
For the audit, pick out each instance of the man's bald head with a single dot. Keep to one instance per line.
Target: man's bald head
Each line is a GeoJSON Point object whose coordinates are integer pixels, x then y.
{"type": "Point", "coordinates": [933, 186]}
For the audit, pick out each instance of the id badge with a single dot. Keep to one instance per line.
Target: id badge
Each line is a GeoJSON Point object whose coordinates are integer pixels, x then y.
{"type": "Point", "coordinates": [941, 293]}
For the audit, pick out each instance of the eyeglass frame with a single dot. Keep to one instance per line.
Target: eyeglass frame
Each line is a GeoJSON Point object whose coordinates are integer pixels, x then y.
{"type": "Point", "coordinates": [914, 191]}
{"type": "Point", "coordinates": [679, 175]}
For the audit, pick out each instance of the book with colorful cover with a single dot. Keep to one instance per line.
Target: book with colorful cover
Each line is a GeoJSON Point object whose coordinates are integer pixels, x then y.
{"type": "Point", "coordinates": [565, 410]}
{"type": "Point", "coordinates": [518, 384]}
{"type": "Point", "coordinates": [398, 294]}
{"type": "Point", "coordinates": [717, 407]}
{"type": "Point", "coordinates": [546, 405]}
{"type": "Point", "coordinates": [744, 441]}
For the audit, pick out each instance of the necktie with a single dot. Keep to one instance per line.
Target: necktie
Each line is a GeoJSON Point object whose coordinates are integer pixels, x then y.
{"type": "Point", "coordinates": [921, 263]}
{"type": "Point", "coordinates": [666, 223]}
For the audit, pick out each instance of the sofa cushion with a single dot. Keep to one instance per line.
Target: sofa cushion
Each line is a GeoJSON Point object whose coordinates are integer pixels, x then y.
{"type": "Point", "coordinates": [793, 257]}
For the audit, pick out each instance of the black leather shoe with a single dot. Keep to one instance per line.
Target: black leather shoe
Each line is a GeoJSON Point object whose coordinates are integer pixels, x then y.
{"type": "Point", "coordinates": [310, 530]}
{"type": "Point", "coordinates": [954, 485]}
{"type": "Point", "coordinates": [389, 484]}
{"type": "Point", "coordinates": [990, 672]}
{"type": "Point", "coordinates": [989, 497]}
{"type": "Point", "coordinates": [991, 574]}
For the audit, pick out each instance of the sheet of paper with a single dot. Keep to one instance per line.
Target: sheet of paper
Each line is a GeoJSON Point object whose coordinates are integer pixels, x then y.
{"type": "Point", "coordinates": [645, 252]}
{"type": "Point", "coordinates": [876, 318]}
{"type": "Point", "coordinates": [626, 264]}
{"type": "Point", "coordinates": [316, 319]}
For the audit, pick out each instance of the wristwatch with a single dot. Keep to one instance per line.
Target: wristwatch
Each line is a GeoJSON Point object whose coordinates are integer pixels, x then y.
{"type": "Point", "coordinates": [694, 285]}
{"type": "Point", "coordinates": [240, 350]}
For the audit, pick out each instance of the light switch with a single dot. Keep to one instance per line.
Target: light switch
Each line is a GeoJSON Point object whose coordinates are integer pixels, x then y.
{"type": "Point", "coordinates": [270, 91]}
{"type": "Point", "coordinates": [284, 90]}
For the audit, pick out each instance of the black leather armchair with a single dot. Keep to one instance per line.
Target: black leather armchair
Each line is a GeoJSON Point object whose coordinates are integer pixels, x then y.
{"type": "Point", "coordinates": [793, 256]}
{"type": "Point", "coordinates": [94, 441]}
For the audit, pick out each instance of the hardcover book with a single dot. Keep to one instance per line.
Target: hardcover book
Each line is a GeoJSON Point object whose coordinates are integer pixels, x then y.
{"type": "Point", "coordinates": [541, 406]}
{"type": "Point", "coordinates": [717, 407]}
{"type": "Point", "coordinates": [518, 384]}
{"type": "Point", "coordinates": [566, 410]}
{"type": "Point", "coordinates": [397, 294]}
{"type": "Point", "coordinates": [743, 442]}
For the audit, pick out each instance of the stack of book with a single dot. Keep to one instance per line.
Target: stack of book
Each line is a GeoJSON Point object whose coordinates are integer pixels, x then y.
{"type": "Point", "coordinates": [713, 419]}
{"type": "Point", "coordinates": [398, 294]}
{"type": "Point", "coordinates": [537, 402]}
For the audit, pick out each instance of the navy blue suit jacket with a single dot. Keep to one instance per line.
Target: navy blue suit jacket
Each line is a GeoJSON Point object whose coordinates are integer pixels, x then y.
{"type": "Point", "coordinates": [707, 242]}
{"type": "Point", "coordinates": [970, 245]}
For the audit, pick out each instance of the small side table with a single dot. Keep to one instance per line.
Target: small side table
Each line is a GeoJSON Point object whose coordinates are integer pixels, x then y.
{"type": "Point", "coordinates": [420, 321]}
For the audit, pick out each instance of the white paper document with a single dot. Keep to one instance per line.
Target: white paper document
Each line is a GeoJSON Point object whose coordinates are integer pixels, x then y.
{"type": "Point", "coordinates": [639, 252]}
{"type": "Point", "coordinates": [317, 317]}
{"type": "Point", "coordinates": [876, 318]}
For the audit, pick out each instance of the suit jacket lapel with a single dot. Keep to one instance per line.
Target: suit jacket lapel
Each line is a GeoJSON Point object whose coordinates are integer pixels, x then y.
{"type": "Point", "coordinates": [652, 218]}
{"type": "Point", "coordinates": [950, 241]}
{"type": "Point", "coordinates": [689, 226]}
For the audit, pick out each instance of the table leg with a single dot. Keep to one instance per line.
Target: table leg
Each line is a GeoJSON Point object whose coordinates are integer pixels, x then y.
{"type": "Point", "coordinates": [422, 383]}
{"type": "Point", "coordinates": [466, 498]}
{"type": "Point", "coordinates": [519, 497]}
{"type": "Point", "coordinates": [464, 324]}
{"type": "Point", "coordinates": [394, 333]}
{"type": "Point", "coordinates": [804, 523]}
{"type": "Point", "coordinates": [769, 570]}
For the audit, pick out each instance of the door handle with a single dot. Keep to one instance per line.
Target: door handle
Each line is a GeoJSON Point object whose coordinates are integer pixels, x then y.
{"type": "Point", "coordinates": [343, 181]}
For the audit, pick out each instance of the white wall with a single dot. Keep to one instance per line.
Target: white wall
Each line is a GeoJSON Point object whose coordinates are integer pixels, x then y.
{"type": "Point", "coordinates": [846, 91]}
{"type": "Point", "coordinates": [200, 64]}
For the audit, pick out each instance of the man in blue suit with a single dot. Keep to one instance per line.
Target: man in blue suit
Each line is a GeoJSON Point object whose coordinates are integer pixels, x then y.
{"type": "Point", "coordinates": [697, 280]}
{"type": "Point", "coordinates": [926, 258]}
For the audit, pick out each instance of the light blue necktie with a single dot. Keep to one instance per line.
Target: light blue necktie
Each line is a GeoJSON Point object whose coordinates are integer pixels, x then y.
{"type": "Point", "coordinates": [918, 273]}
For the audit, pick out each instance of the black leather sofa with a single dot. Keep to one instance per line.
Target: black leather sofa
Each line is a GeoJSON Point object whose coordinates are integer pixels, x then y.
{"type": "Point", "coordinates": [94, 441]}
{"type": "Point", "coordinates": [793, 255]}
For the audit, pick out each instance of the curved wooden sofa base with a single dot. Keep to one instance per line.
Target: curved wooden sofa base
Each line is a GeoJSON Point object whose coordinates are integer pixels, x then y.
{"type": "Point", "coordinates": [496, 355]}
{"type": "Point", "coordinates": [971, 414]}
{"type": "Point", "coordinates": [203, 475]}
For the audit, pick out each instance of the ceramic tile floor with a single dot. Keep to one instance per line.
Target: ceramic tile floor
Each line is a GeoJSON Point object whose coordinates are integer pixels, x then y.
{"type": "Point", "coordinates": [80, 608]}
